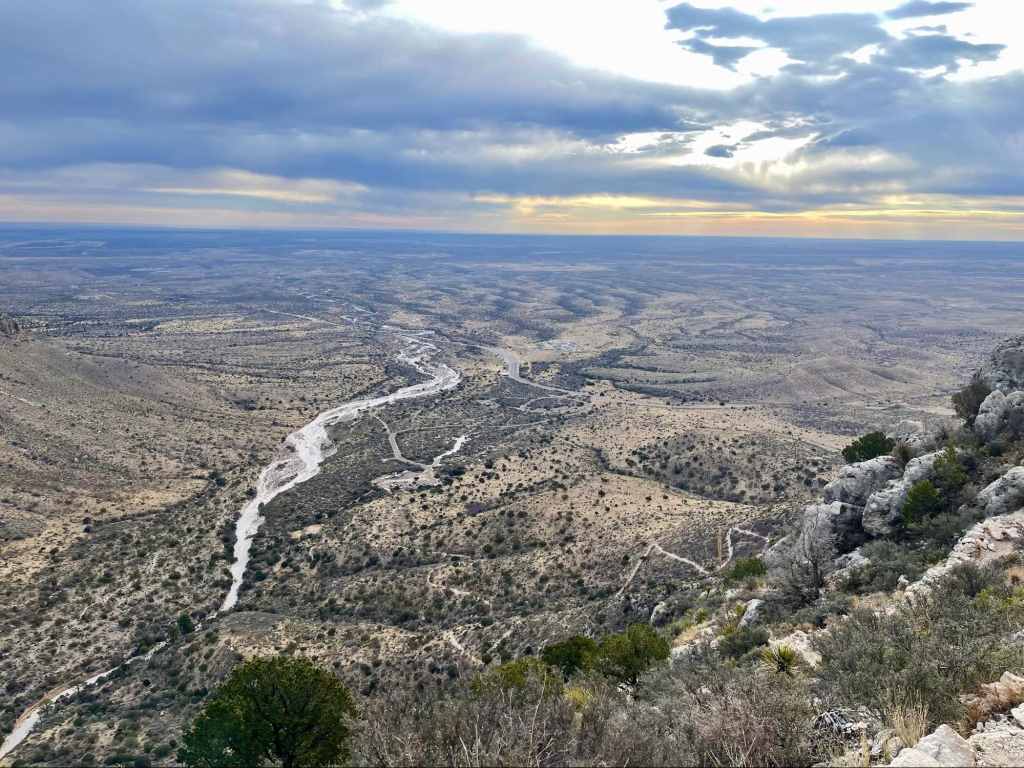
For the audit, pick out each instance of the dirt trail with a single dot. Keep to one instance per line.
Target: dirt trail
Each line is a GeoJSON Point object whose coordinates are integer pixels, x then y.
{"type": "Point", "coordinates": [655, 547]}
{"type": "Point", "coordinates": [512, 365]}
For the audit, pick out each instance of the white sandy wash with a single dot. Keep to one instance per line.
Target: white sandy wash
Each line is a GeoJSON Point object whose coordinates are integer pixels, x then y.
{"type": "Point", "coordinates": [304, 450]}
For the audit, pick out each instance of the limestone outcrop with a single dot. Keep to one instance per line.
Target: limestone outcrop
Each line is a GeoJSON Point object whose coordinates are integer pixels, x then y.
{"type": "Point", "coordinates": [845, 567]}
{"type": "Point", "coordinates": [918, 438]}
{"type": "Point", "coordinates": [836, 521]}
{"type": "Point", "coordinates": [856, 482]}
{"type": "Point", "coordinates": [884, 508]}
{"type": "Point", "coordinates": [752, 614]}
{"type": "Point", "coordinates": [1004, 370]}
{"type": "Point", "coordinates": [985, 542]}
{"type": "Point", "coordinates": [996, 742]}
{"type": "Point", "coordinates": [999, 413]}
{"type": "Point", "coordinates": [1003, 495]}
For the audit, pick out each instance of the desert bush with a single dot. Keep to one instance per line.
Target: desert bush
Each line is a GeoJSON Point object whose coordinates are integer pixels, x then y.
{"type": "Point", "coordinates": [932, 649]}
{"type": "Point", "coordinates": [869, 446]}
{"type": "Point", "coordinates": [800, 567]}
{"type": "Point", "coordinates": [940, 532]}
{"type": "Point", "coordinates": [732, 716]}
{"type": "Point", "coordinates": [968, 400]}
{"type": "Point", "coordinates": [902, 453]}
{"type": "Point", "coordinates": [821, 611]}
{"type": "Point", "coordinates": [950, 475]}
{"type": "Point", "coordinates": [465, 726]}
{"type": "Point", "coordinates": [923, 501]}
{"type": "Point", "coordinates": [689, 620]}
{"type": "Point", "coordinates": [907, 716]}
{"type": "Point", "coordinates": [1014, 429]}
{"type": "Point", "coordinates": [889, 561]}
{"type": "Point", "coordinates": [185, 624]}
{"type": "Point", "coordinates": [741, 641]}
{"type": "Point", "coordinates": [701, 713]}
{"type": "Point", "coordinates": [744, 568]}
{"type": "Point", "coordinates": [521, 674]}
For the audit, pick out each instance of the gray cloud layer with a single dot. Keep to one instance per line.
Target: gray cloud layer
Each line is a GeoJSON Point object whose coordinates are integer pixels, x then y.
{"type": "Point", "coordinates": [300, 90]}
{"type": "Point", "coordinates": [917, 8]}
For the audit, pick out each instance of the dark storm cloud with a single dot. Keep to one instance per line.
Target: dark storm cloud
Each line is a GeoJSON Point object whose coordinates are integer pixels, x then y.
{"type": "Point", "coordinates": [721, 150]}
{"type": "Point", "coordinates": [303, 90]}
{"type": "Point", "coordinates": [815, 40]}
{"type": "Point", "coordinates": [917, 8]}
{"type": "Point", "coordinates": [952, 137]}
{"type": "Point", "coordinates": [930, 51]}
{"type": "Point", "coordinates": [296, 64]}
{"type": "Point", "coordinates": [723, 55]}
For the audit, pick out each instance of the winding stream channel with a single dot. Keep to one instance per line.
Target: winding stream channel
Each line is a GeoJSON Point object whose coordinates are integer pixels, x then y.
{"type": "Point", "coordinates": [304, 450]}
{"type": "Point", "coordinates": [296, 461]}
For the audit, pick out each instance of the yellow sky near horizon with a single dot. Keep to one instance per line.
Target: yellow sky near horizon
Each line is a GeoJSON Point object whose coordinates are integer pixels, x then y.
{"type": "Point", "coordinates": [924, 218]}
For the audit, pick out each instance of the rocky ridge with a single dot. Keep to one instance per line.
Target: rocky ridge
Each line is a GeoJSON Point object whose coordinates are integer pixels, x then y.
{"type": "Point", "coordinates": [865, 502]}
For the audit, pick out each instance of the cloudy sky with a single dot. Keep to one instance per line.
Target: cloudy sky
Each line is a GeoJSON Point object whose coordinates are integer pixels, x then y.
{"type": "Point", "coordinates": [796, 117]}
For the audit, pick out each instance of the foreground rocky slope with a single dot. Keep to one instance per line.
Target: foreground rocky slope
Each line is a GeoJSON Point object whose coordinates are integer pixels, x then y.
{"type": "Point", "coordinates": [885, 612]}
{"type": "Point", "coordinates": [873, 499]}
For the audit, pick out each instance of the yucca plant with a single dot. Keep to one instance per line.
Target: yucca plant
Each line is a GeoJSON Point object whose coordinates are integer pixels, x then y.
{"type": "Point", "coordinates": [780, 658]}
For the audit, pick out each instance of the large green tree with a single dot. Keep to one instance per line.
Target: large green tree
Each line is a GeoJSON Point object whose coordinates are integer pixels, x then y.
{"type": "Point", "coordinates": [272, 711]}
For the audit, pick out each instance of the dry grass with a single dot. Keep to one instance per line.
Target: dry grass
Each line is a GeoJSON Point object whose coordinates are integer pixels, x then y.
{"type": "Point", "coordinates": [908, 716]}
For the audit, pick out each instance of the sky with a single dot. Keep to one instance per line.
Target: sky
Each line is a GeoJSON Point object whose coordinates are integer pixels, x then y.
{"type": "Point", "coordinates": [820, 118]}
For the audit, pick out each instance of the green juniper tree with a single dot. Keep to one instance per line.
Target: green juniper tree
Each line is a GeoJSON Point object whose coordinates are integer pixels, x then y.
{"type": "Point", "coordinates": [868, 446]}
{"type": "Point", "coordinates": [272, 711]}
{"type": "Point", "coordinates": [626, 656]}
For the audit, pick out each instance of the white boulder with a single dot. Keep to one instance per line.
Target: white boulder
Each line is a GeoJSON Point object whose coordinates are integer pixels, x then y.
{"type": "Point", "coordinates": [997, 413]}
{"type": "Point", "coordinates": [752, 613]}
{"type": "Point", "coordinates": [1005, 494]}
{"type": "Point", "coordinates": [856, 482]}
{"type": "Point", "coordinates": [990, 415]}
{"type": "Point", "coordinates": [943, 747]}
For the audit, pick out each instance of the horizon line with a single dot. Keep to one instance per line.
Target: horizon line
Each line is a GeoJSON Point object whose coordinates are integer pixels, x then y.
{"type": "Point", "coordinates": [480, 233]}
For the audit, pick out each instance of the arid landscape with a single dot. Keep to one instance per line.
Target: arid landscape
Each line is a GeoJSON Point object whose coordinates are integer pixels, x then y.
{"type": "Point", "coordinates": [621, 417]}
